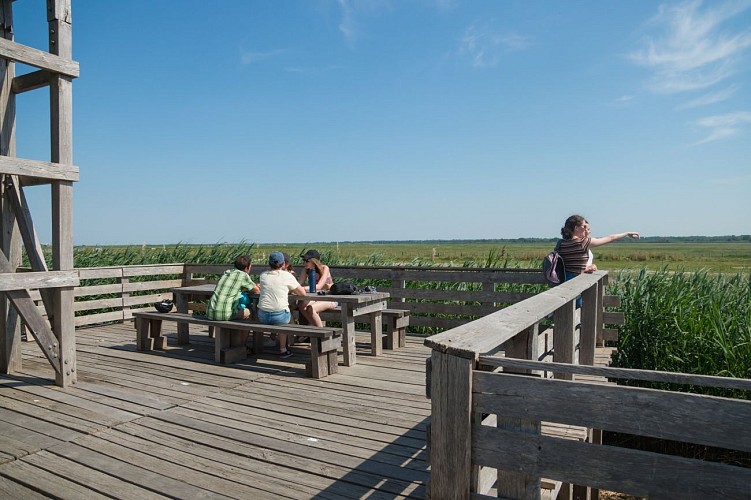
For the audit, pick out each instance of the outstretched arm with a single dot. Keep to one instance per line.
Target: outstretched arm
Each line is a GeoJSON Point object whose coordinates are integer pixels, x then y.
{"type": "Point", "coordinates": [598, 242]}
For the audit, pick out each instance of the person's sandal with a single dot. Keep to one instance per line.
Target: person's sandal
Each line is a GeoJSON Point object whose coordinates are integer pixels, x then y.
{"type": "Point", "coordinates": [285, 354]}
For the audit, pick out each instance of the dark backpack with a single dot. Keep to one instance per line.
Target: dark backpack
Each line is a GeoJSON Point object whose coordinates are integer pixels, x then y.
{"type": "Point", "coordinates": [553, 268]}
{"type": "Point", "coordinates": [343, 288]}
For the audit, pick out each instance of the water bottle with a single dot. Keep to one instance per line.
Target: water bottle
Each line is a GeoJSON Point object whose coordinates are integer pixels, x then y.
{"type": "Point", "coordinates": [312, 279]}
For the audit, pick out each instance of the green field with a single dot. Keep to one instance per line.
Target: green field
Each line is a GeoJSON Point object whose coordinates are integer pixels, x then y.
{"type": "Point", "coordinates": [712, 256]}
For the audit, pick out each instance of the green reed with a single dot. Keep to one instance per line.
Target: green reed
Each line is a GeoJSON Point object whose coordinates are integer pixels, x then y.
{"type": "Point", "coordinates": [696, 323]}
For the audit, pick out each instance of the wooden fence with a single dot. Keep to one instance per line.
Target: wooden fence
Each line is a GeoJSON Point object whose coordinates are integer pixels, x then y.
{"type": "Point", "coordinates": [517, 433]}
{"type": "Point", "coordinates": [437, 297]}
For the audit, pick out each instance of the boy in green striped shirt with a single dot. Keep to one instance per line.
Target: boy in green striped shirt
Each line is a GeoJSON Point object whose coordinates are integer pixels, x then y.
{"type": "Point", "coordinates": [225, 301]}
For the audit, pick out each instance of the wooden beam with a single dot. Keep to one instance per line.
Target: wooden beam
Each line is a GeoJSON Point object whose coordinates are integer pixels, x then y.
{"type": "Point", "coordinates": [30, 240]}
{"type": "Point", "coordinates": [31, 81]}
{"type": "Point", "coordinates": [61, 127]}
{"type": "Point", "coordinates": [26, 308]}
{"type": "Point", "coordinates": [38, 169]}
{"type": "Point", "coordinates": [25, 281]}
{"type": "Point", "coordinates": [38, 58]}
{"type": "Point", "coordinates": [10, 330]}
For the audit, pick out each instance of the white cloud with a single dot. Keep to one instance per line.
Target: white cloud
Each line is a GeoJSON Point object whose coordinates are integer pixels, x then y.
{"type": "Point", "coordinates": [710, 98]}
{"type": "Point", "coordinates": [352, 11]}
{"type": "Point", "coordinates": [348, 25]}
{"type": "Point", "coordinates": [692, 50]}
{"type": "Point", "coordinates": [485, 47]}
{"type": "Point", "coordinates": [723, 126]}
{"type": "Point", "coordinates": [252, 57]}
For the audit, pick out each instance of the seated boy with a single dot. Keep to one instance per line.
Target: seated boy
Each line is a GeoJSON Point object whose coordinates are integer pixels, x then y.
{"type": "Point", "coordinates": [225, 301]}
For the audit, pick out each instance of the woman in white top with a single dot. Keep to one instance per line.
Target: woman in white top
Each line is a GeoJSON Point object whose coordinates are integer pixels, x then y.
{"type": "Point", "coordinates": [273, 302]}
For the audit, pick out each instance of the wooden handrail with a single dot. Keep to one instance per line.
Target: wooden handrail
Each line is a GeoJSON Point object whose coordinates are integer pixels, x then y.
{"type": "Point", "coordinates": [489, 333]}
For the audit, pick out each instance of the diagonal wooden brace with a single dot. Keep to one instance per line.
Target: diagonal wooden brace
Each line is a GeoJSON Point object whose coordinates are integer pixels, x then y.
{"type": "Point", "coordinates": [26, 308]}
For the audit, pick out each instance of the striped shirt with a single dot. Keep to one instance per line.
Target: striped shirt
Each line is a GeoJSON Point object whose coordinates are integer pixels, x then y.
{"type": "Point", "coordinates": [575, 253]}
{"type": "Point", "coordinates": [226, 297]}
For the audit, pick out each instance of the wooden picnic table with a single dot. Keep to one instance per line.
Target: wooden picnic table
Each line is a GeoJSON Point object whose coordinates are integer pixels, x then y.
{"type": "Point", "coordinates": [352, 306]}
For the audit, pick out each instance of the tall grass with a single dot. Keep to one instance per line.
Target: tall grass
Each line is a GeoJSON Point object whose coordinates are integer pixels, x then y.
{"type": "Point", "coordinates": [86, 256]}
{"type": "Point", "coordinates": [696, 323]}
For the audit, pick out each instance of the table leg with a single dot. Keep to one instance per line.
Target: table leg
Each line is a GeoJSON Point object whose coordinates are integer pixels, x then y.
{"type": "Point", "coordinates": [376, 332]}
{"type": "Point", "coordinates": [348, 336]}
{"type": "Point", "coordinates": [183, 329]}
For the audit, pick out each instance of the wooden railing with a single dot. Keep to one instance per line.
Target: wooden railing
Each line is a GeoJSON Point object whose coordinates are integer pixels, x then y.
{"type": "Point", "coordinates": [514, 436]}
{"type": "Point", "coordinates": [437, 297]}
{"type": "Point", "coordinates": [107, 294]}
{"type": "Point", "coordinates": [443, 298]}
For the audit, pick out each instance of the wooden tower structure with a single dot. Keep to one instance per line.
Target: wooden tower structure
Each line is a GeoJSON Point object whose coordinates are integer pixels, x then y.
{"type": "Point", "coordinates": [54, 70]}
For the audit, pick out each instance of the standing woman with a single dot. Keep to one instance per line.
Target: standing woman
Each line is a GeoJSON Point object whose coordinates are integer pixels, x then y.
{"type": "Point", "coordinates": [575, 246]}
{"type": "Point", "coordinates": [311, 310]}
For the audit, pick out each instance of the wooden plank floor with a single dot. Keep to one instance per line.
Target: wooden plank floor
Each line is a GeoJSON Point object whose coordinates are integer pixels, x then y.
{"type": "Point", "coordinates": [175, 424]}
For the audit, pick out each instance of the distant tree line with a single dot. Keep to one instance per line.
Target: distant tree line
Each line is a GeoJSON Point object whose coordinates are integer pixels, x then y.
{"type": "Point", "coordinates": [649, 239]}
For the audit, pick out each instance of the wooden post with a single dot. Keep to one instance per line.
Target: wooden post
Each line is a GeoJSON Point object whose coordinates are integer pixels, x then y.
{"type": "Point", "coordinates": [511, 484]}
{"type": "Point", "coordinates": [10, 328]}
{"type": "Point", "coordinates": [588, 334]}
{"type": "Point", "coordinates": [398, 283]}
{"type": "Point", "coordinates": [61, 125]}
{"type": "Point", "coordinates": [488, 286]}
{"type": "Point", "coordinates": [124, 296]}
{"type": "Point", "coordinates": [563, 337]}
{"type": "Point", "coordinates": [451, 426]}
{"type": "Point", "coordinates": [600, 311]}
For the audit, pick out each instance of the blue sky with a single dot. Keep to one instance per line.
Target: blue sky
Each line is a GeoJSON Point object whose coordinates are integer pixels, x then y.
{"type": "Point", "coordinates": [326, 120]}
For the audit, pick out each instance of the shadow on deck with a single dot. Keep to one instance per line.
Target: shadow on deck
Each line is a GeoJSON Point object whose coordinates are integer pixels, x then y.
{"type": "Point", "coordinates": [176, 424]}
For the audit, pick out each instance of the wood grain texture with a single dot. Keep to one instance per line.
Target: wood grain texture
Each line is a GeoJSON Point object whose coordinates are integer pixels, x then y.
{"type": "Point", "coordinates": [175, 424]}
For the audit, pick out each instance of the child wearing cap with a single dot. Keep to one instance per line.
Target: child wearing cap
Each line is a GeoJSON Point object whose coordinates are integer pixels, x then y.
{"type": "Point", "coordinates": [273, 303]}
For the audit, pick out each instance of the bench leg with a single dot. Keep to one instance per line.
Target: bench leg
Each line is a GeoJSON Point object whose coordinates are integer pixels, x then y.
{"type": "Point", "coordinates": [227, 346]}
{"type": "Point", "coordinates": [388, 339]}
{"type": "Point", "coordinates": [323, 356]}
{"type": "Point", "coordinates": [396, 332]}
{"type": "Point", "coordinates": [258, 339]}
{"type": "Point", "coordinates": [149, 334]}
{"type": "Point", "coordinates": [155, 332]}
{"type": "Point", "coordinates": [318, 360]}
{"type": "Point", "coordinates": [142, 335]}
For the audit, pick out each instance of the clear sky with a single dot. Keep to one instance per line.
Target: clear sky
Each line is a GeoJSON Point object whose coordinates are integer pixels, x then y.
{"type": "Point", "coordinates": [324, 120]}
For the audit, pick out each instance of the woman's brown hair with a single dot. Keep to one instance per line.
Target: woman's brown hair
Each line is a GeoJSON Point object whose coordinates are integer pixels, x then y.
{"type": "Point", "coordinates": [567, 231]}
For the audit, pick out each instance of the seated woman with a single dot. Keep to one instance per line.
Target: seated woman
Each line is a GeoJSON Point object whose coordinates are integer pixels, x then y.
{"type": "Point", "coordinates": [310, 310]}
{"type": "Point", "coordinates": [273, 302]}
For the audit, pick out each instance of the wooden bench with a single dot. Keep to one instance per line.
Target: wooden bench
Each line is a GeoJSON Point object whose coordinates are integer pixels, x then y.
{"type": "Point", "coordinates": [396, 322]}
{"type": "Point", "coordinates": [324, 341]}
